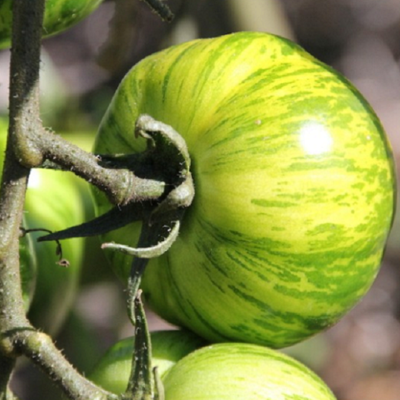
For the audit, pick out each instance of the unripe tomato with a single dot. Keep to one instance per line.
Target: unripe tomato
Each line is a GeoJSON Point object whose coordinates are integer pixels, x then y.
{"type": "Point", "coordinates": [294, 184]}
{"type": "Point", "coordinates": [53, 201]}
{"type": "Point", "coordinates": [28, 264]}
{"type": "Point", "coordinates": [113, 369]}
{"type": "Point", "coordinates": [237, 371]}
{"type": "Point", "coordinates": [59, 16]}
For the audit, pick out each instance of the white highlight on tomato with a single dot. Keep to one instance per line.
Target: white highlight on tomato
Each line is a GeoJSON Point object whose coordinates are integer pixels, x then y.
{"type": "Point", "coordinates": [34, 179]}
{"type": "Point", "coordinates": [315, 138]}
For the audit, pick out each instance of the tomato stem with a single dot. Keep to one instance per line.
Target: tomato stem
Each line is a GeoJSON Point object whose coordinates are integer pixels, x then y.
{"type": "Point", "coordinates": [147, 235]}
{"type": "Point", "coordinates": [167, 160]}
{"type": "Point", "coordinates": [143, 384]}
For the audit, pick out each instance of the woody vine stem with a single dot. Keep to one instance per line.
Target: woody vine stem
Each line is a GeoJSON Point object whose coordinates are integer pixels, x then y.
{"type": "Point", "coordinates": [30, 145]}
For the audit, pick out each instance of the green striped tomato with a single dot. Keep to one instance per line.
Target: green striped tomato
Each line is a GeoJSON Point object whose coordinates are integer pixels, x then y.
{"type": "Point", "coordinates": [113, 369]}
{"type": "Point", "coordinates": [237, 371]}
{"type": "Point", "coordinates": [294, 185]}
{"type": "Point", "coordinates": [59, 16]}
{"type": "Point", "coordinates": [223, 371]}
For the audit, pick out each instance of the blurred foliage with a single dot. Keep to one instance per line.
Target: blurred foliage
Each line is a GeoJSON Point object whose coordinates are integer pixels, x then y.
{"type": "Point", "coordinates": [360, 357]}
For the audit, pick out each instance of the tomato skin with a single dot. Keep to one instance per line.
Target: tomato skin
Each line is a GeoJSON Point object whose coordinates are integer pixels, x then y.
{"type": "Point", "coordinates": [54, 202]}
{"type": "Point", "coordinates": [190, 370]}
{"type": "Point", "coordinates": [236, 371]}
{"type": "Point", "coordinates": [294, 183]}
{"type": "Point", "coordinates": [28, 266]}
{"type": "Point", "coordinates": [59, 16]}
{"type": "Point", "coordinates": [113, 369]}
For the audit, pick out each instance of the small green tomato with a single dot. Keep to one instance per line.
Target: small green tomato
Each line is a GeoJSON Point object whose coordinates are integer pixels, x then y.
{"type": "Point", "coordinates": [238, 371]}
{"type": "Point", "coordinates": [59, 16]}
{"type": "Point", "coordinates": [113, 369]}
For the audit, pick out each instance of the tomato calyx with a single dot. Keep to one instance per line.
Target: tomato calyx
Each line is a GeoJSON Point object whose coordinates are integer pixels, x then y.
{"type": "Point", "coordinates": [147, 252]}
{"type": "Point", "coordinates": [166, 159]}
